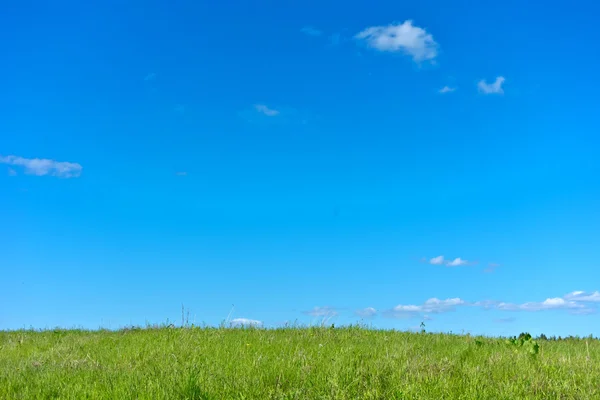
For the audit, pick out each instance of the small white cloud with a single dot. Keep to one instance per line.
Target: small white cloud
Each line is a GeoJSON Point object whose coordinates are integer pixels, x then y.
{"type": "Point", "coordinates": [431, 306]}
{"type": "Point", "coordinates": [42, 166]}
{"type": "Point", "coordinates": [491, 88]}
{"type": "Point", "coordinates": [439, 260]}
{"type": "Point", "coordinates": [181, 173]}
{"type": "Point", "coordinates": [311, 31]}
{"type": "Point", "coordinates": [457, 262]}
{"type": "Point", "coordinates": [368, 312]}
{"type": "Point", "coordinates": [245, 322]}
{"type": "Point", "coordinates": [447, 89]}
{"type": "Point", "coordinates": [12, 172]}
{"type": "Point", "coordinates": [322, 312]}
{"type": "Point", "coordinates": [593, 297]}
{"type": "Point", "coordinates": [263, 109]}
{"type": "Point", "coordinates": [406, 38]}
{"type": "Point", "coordinates": [150, 77]}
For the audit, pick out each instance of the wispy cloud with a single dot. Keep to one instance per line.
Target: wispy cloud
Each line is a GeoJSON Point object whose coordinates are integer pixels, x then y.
{"type": "Point", "coordinates": [491, 267]}
{"type": "Point", "coordinates": [245, 322]}
{"type": "Point", "coordinates": [431, 306]}
{"type": "Point", "coordinates": [581, 296]}
{"type": "Point", "coordinates": [578, 303]}
{"type": "Point", "coordinates": [485, 304]}
{"type": "Point", "coordinates": [12, 172]}
{"type": "Point", "coordinates": [43, 166]}
{"type": "Point", "coordinates": [447, 89]}
{"type": "Point", "coordinates": [150, 77]}
{"type": "Point", "coordinates": [263, 109]}
{"type": "Point", "coordinates": [179, 108]}
{"type": "Point", "coordinates": [311, 31]}
{"type": "Point", "coordinates": [181, 173]}
{"type": "Point", "coordinates": [405, 38]}
{"type": "Point", "coordinates": [322, 312]}
{"type": "Point", "coordinates": [507, 320]}
{"type": "Point", "coordinates": [368, 312]}
{"type": "Point", "coordinates": [491, 88]}
{"type": "Point", "coordinates": [555, 303]}
{"type": "Point", "coordinates": [457, 262]}
{"type": "Point", "coordinates": [440, 260]}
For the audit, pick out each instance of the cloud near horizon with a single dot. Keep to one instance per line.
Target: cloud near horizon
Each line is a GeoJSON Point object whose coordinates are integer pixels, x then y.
{"type": "Point", "coordinates": [368, 312]}
{"type": "Point", "coordinates": [322, 312]}
{"type": "Point", "coordinates": [575, 303]}
{"type": "Point", "coordinates": [555, 303]}
{"type": "Point", "coordinates": [431, 306]}
{"type": "Point", "coordinates": [43, 166]}
{"type": "Point", "coordinates": [401, 38]}
{"type": "Point", "coordinates": [245, 322]}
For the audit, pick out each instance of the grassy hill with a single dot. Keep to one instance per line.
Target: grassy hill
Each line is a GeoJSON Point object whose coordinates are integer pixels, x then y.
{"type": "Point", "coordinates": [294, 363]}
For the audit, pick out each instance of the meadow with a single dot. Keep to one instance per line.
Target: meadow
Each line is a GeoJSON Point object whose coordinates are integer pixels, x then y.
{"type": "Point", "coordinates": [292, 363]}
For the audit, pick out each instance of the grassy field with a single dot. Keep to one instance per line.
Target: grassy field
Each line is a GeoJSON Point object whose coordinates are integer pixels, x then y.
{"type": "Point", "coordinates": [299, 363]}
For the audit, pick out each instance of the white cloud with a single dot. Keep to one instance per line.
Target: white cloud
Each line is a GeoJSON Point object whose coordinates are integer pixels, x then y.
{"type": "Point", "coordinates": [555, 303]}
{"type": "Point", "coordinates": [322, 312]}
{"type": "Point", "coordinates": [439, 260]}
{"type": "Point", "coordinates": [245, 322]}
{"type": "Point", "coordinates": [485, 304]}
{"type": "Point", "coordinates": [311, 31]}
{"type": "Point", "coordinates": [181, 173]}
{"type": "Point", "coordinates": [447, 89]}
{"type": "Point", "coordinates": [575, 303]}
{"type": "Point", "coordinates": [406, 38]}
{"type": "Point", "coordinates": [457, 262]}
{"type": "Point", "coordinates": [368, 312]}
{"type": "Point", "coordinates": [42, 166]}
{"type": "Point", "coordinates": [12, 172]}
{"type": "Point", "coordinates": [593, 297]}
{"type": "Point", "coordinates": [431, 306]}
{"type": "Point", "coordinates": [269, 112]}
{"type": "Point", "coordinates": [150, 77]}
{"type": "Point", "coordinates": [491, 88]}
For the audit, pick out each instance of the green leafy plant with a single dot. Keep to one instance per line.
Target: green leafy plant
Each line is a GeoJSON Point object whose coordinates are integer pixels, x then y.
{"type": "Point", "coordinates": [526, 342]}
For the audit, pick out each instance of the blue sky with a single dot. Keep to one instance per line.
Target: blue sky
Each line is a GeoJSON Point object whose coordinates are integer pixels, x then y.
{"type": "Point", "coordinates": [294, 161]}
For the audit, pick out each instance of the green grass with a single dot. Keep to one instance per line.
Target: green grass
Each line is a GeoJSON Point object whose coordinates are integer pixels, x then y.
{"type": "Point", "coordinates": [296, 363]}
